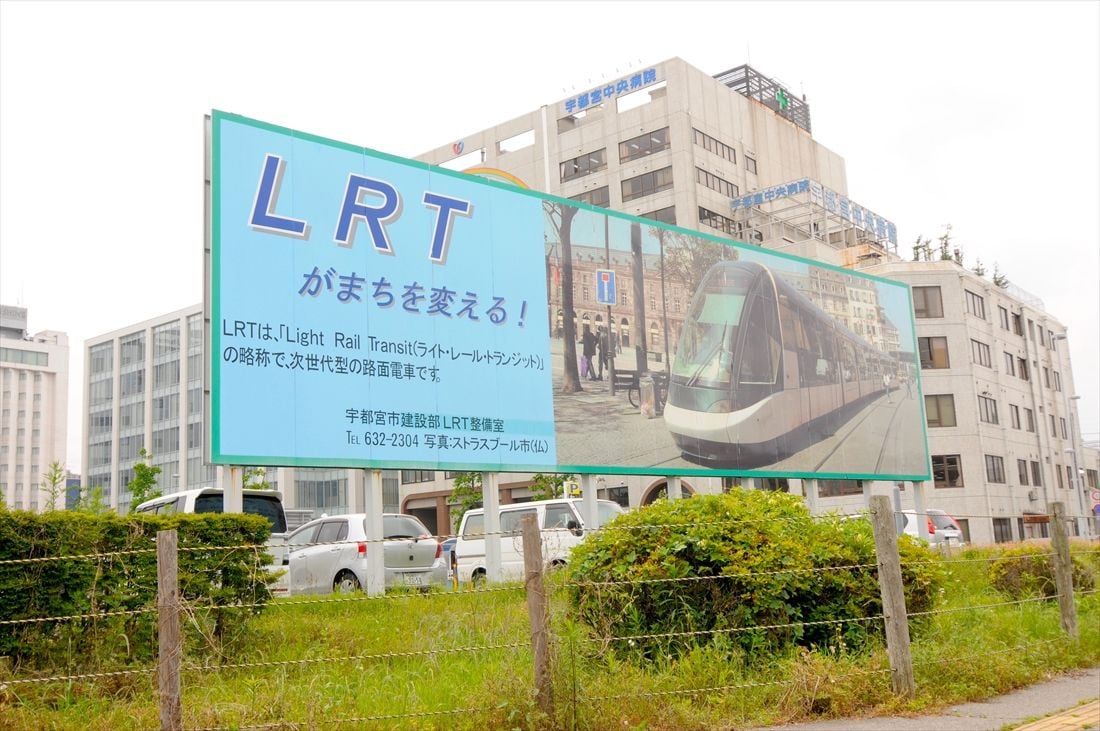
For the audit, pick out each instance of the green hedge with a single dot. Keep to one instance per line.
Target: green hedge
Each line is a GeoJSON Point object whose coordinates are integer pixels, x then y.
{"type": "Point", "coordinates": [122, 582]}
{"type": "Point", "coordinates": [739, 537]}
{"type": "Point", "coordinates": [1027, 571]}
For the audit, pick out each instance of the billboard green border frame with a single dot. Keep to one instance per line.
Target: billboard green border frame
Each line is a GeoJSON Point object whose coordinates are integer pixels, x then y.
{"type": "Point", "coordinates": [212, 272]}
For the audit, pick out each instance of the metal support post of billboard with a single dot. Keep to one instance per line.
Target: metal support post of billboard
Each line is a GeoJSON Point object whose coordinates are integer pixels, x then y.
{"type": "Point", "coordinates": [287, 477]}
{"type": "Point", "coordinates": [372, 493]}
{"type": "Point", "coordinates": [357, 491]}
{"type": "Point", "coordinates": [809, 494]}
{"type": "Point", "coordinates": [588, 502]}
{"type": "Point", "coordinates": [920, 509]}
{"type": "Point", "coordinates": [232, 490]}
{"type": "Point", "coordinates": [672, 487]}
{"type": "Point", "coordinates": [490, 498]}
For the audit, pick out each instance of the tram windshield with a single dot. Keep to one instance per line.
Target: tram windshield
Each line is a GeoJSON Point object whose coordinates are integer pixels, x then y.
{"type": "Point", "coordinates": [705, 354]}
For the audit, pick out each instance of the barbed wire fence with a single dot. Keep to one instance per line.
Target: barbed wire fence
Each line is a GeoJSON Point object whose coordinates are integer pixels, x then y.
{"type": "Point", "coordinates": [538, 637]}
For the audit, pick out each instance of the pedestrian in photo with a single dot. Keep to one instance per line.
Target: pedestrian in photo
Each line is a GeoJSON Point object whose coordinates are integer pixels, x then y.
{"type": "Point", "coordinates": [588, 353]}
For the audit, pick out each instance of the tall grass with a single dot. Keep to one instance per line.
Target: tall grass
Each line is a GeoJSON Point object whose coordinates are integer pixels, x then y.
{"type": "Point", "coordinates": [963, 655]}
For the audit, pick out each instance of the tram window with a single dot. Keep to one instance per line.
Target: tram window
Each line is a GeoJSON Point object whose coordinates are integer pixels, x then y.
{"type": "Point", "coordinates": [760, 354]}
{"type": "Point", "coordinates": [704, 356]}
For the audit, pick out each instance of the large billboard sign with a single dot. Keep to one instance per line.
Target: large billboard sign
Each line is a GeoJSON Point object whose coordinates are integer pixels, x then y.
{"type": "Point", "coordinates": [371, 311]}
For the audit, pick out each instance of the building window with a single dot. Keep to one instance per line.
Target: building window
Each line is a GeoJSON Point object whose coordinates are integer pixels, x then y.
{"type": "Point", "coordinates": [940, 409]}
{"type": "Point", "coordinates": [647, 184]}
{"type": "Point", "coordinates": [411, 476]}
{"type": "Point", "coordinates": [1017, 324]}
{"type": "Point", "coordinates": [994, 468]}
{"type": "Point", "coordinates": [642, 145]}
{"type": "Point", "coordinates": [600, 197]}
{"type": "Point", "coordinates": [1010, 364]}
{"type": "Point", "coordinates": [1003, 313]}
{"type": "Point", "coordinates": [719, 222]}
{"type": "Point", "coordinates": [839, 488]}
{"type": "Point", "coordinates": [975, 304]}
{"type": "Point", "coordinates": [1002, 530]}
{"type": "Point", "coordinates": [714, 182]}
{"type": "Point", "coordinates": [101, 357]}
{"type": "Point", "coordinates": [927, 302]}
{"type": "Point", "coordinates": [933, 352]}
{"type": "Point", "coordinates": [664, 215]}
{"type": "Point", "coordinates": [750, 164]}
{"type": "Point", "coordinates": [132, 350]}
{"type": "Point", "coordinates": [586, 164]}
{"type": "Point", "coordinates": [1021, 469]}
{"type": "Point", "coordinates": [1053, 426]}
{"type": "Point", "coordinates": [1029, 417]}
{"type": "Point", "coordinates": [1042, 340]}
{"type": "Point", "coordinates": [166, 339]}
{"type": "Point", "coordinates": [947, 470]}
{"type": "Point", "coordinates": [987, 410]}
{"type": "Point", "coordinates": [1036, 474]}
{"type": "Point", "coordinates": [1069, 476]}
{"type": "Point", "coordinates": [1058, 475]}
{"type": "Point", "coordinates": [979, 351]}
{"type": "Point", "coordinates": [718, 148]}
{"type": "Point", "coordinates": [1022, 369]}
{"type": "Point", "coordinates": [1062, 423]}
{"type": "Point", "coordinates": [1057, 379]}
{"type": "Point", "coordinates": [1014, 415]}
{"type": "Point", "coordinates": [1046, 376]}
{"type": "Point", "coordinates": [23, 357]}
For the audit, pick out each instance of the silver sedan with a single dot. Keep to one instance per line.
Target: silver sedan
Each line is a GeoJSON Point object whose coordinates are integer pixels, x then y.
{"type": "Point", "coordinates": [330, 554]}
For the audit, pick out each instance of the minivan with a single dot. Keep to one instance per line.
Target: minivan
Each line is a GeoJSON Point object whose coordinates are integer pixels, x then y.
{"type": "Point", "coordinates": [559, 521]}
{"type": "Point", "coordinates": [268, 503]}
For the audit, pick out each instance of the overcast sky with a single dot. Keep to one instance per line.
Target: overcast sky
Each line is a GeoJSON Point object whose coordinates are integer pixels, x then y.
{"type": "Point", "coordinates": [983, 115]}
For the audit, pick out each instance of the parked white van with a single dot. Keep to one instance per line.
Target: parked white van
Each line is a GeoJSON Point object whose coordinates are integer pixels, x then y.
{"type": "Point", "coordinates": [559, 520]}
{"type": "Point", "coordinates": [268, 503]}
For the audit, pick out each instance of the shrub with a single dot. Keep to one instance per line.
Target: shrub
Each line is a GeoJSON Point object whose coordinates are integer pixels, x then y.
{"type": "Point", "coordinates": [1027, 570]}
{"type": "Point", "coordinates": [747, 559]}
{"type": "Point", "coordinates": [125, 581]}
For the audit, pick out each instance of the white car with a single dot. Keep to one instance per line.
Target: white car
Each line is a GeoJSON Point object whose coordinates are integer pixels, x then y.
{"type": "Point", "coordinates": [266, 503]}
{"type": "Point", "coordinates": [330, 554]}
{"type": "Point", "coordinates": [942, 528]}
{"type": "Point", "coordinates": [560, 524]}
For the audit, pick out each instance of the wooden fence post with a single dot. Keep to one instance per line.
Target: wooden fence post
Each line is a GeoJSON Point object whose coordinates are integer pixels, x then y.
{"type": "Point", "coordinates": [170, 651]}
{"type": "Point", "coordinates": [893, 596]}
{"type": "Point", "coordinates": [538, 610]}
{"type": "Point", "coordinates": [1063, 569]}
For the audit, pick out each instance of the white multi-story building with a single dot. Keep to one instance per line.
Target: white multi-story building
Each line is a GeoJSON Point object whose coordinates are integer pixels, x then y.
{"type": "Point", "coordinates": [999, 398]}
{"type": "Point", "coordinates": [34, 399]}
{"type": "Point", "coordinates": [144, 391]}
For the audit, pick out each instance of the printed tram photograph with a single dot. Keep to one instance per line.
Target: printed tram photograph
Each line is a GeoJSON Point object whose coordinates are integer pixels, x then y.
{"type": "Point", "coordinates": [673, 350]}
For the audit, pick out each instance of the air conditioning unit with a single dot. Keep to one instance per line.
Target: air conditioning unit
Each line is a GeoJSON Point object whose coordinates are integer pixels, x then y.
{"type": "Point", "coordinates": [1032, 495]}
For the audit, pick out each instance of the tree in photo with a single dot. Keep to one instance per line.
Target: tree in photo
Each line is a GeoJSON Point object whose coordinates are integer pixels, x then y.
{"type": "Point", "coordinates": [561, 218]}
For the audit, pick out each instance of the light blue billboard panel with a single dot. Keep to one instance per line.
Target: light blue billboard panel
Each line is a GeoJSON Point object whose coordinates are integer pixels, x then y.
{"type": "Point", "coordinates": [371, 311]}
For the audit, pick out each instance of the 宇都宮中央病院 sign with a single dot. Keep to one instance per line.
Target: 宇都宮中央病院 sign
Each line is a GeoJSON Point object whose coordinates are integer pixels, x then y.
{"type": "Point", "coordinates": [371, 311]}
